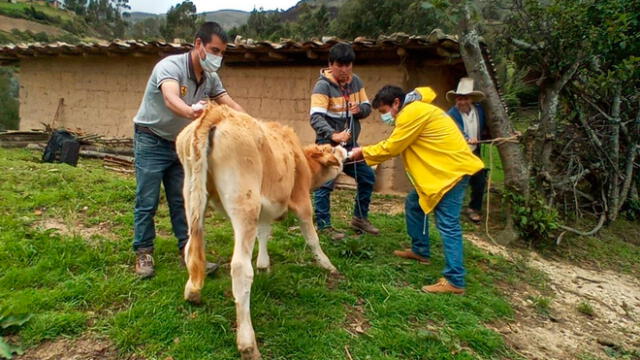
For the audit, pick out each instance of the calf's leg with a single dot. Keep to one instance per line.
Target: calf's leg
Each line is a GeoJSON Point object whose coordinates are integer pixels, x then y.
{"type": "Point", "coordinates": [264, 231]}
{"type": "Point", "coordinates": [303, 211]}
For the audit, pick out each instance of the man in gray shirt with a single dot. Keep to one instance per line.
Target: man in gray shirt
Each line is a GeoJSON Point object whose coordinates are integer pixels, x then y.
{"type": "Point", "coordinates": [177, 87]}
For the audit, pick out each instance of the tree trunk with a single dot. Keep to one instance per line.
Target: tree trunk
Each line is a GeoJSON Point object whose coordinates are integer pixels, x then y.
{"type": "Point", "coordinates": [630, 161]}
{"type": "Point", "coordinates": [614, 173]}
{"type": "Point", "coordinates": [513, 160]}
{"type": "Point", "coordinates": [548, 102]}
{"type": "Point", "coordinates": [545, 138]}
{"type": "Point", "coordinates": [516, 171]}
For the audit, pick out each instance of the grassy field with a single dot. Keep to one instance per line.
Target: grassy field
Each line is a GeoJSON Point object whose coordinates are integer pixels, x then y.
{"type": "Point", "coordinates": [83, 283]}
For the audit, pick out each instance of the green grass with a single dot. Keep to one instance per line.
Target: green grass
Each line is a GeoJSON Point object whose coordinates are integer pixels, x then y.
{"type": "Point", "coordinates": [491, 158]}
{"type": "Point", "coordinates": [72, 285]}
{"type": "Point", "coordinates": [615, 247]}
{"type": "Point", "coordinates": [541, 304]}
{"type": "Point", "coordinates": [19, 10]}
{"type": "Point", "coordinates": [586, 308]}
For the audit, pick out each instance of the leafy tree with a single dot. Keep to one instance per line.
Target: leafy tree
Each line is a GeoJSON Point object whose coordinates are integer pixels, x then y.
{"type": "Point", "coordinates": [375, 17]}
{"type": "Point", "coordinates": [147, 29]}
{"type": "Point", "coordinates": [77, 6]}
{"type": "Point", "coordinates": [264, 25]}
{"type": "Point", "coordinates": [311, 22]}
{"type": "Point", "coordinates": [107, 17]}
{"type": "Point", "coordinates": [181, 22]}
{"type": "Point", "coordinates": [585, 54]}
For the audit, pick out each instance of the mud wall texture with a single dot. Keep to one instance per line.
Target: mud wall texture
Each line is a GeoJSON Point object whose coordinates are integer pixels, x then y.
{"type": "Point", "coordinates": [101, 95]}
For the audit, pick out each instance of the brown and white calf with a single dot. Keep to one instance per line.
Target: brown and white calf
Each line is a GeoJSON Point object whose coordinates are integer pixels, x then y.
{"type": "Point", "coordinates": [254, 172]}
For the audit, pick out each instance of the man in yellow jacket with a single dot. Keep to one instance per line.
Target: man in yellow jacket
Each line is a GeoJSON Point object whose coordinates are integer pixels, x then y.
{"type": "Point", "coordinates": [438, 161]}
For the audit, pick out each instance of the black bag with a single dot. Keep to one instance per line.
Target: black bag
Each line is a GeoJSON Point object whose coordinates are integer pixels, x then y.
{"type": "Point", "coordinates": [62, 147]}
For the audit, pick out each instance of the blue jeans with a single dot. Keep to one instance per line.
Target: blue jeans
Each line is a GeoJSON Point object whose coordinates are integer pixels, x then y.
{"type": "Point", "coordinates": [157, 162]}
{"type": "Point", "coordinates": [447, 214]}
{"type": "Point", "coordinates": [365, 178]}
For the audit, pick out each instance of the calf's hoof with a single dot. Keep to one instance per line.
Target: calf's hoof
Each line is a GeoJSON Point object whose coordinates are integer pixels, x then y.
{"type": "Point", "coordinates": [264, 270]}
{"type": "Point", "coordinates": [192, 296]}
{"type": "Point", "coordinates": [250, 353]}
{"type": "Point", "coordinates": [336, 274]}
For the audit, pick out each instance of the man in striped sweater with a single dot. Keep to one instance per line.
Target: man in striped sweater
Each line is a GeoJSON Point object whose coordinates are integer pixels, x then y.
{"type": "Point", "coordinates": [338, 102]}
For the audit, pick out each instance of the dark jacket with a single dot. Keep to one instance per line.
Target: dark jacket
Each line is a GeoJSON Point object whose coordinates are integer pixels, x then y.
{"type": "Point", "coordinates": [329, 111]}
{"type": "Point", "coordinates": [483, 131]}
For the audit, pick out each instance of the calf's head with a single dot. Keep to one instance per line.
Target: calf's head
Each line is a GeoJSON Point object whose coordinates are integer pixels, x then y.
{"type": "Point", "coordinates": [325, 162]}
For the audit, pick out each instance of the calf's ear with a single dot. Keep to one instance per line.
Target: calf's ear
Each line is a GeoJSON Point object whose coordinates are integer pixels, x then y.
{"type": "Point", "coordinates": [322, 154]}
{"type": "Point", "coordinates": [329, 160]}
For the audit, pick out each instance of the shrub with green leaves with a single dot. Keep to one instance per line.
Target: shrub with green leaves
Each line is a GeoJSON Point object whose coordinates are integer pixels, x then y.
{"type": "Point", "coordinates": [535, 221]}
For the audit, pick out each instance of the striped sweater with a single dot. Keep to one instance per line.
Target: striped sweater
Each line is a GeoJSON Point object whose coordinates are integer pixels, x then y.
{"type": "Point", "coordinates": [330, 108]}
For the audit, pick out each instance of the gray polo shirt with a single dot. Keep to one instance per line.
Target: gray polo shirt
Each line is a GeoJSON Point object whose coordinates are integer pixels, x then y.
{"type": "Point", "coordinates": [153, 112]}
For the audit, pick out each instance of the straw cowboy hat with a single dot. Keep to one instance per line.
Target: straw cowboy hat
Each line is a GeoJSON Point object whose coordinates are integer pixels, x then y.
{"type": "Point", "coordinates": [465, 87]}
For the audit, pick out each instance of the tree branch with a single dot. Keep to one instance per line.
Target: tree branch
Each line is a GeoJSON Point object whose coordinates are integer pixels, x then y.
{"type": "Point", "coordinates": [614, 184]}
{"type": "Point", "coordinates": [631, 156]}
{"type": "Point", "coordinates": [593, 136]}
{"type": "Point", "coordinates": [567, 75]}
{"type": "Point", "coordinates": [603, 217]}
{"type": "Point", "coordinates": [524, 45]}
{"type": "Point", "coordinates": [595, 106]}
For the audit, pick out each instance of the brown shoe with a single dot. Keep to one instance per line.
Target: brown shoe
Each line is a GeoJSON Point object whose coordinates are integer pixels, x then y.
{"type": "Point", "coordinates": [408, 254]}
{"type": "Point", "coordinates": [443, 286]}
{"type": "Point", "coordinates": [144, 264]}
{"type": "Point", "coordinates": [364, 225]}
{"type": "Point", "coordinates": [332, 233]}
{"type": "Point", "coordinates": [209, 269]}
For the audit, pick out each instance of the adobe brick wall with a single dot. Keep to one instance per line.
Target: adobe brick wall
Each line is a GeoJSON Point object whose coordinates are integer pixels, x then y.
{"type": "Point", "coordinates": [102, 94]}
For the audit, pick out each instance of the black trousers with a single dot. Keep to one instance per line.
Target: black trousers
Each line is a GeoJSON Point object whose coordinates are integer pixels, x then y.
{"type": "Point", "coordinates": [478, 184]}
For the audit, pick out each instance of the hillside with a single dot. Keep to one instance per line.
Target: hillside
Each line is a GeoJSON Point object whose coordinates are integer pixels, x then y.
{"type": "Point", "coordinates": [8, 24]}
{"type": "Point", "coordinates": [136, 16]}
{"type": "Point", "coordinates": [294, 12]}
{"type": "Point", "coordinates": [28, 22]}
{"type": "Point", "coordinates": [227, 18]}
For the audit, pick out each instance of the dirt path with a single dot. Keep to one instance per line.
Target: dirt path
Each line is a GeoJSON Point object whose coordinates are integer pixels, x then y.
{"type": "Point", "coordinates": [92, 234]}
{"type": "Point", "coordinates": [9, 23]}
{"type": "Point", "coordinates": [84, 348]}
{"type": "Point", "coordinates": [567, 333]}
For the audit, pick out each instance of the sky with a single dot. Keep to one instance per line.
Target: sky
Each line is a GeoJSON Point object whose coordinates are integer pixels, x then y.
{"type": "Point", "coordinates": [161, 6]}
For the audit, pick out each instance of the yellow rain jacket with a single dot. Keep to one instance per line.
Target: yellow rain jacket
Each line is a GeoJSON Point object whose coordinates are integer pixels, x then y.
{"type": "Point", "coordinates": [433, 149]}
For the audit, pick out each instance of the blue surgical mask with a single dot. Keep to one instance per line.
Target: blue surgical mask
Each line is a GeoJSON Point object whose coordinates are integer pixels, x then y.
{"type": "Point", "coordinates": [388, 118]}
{"type": "Point", "coordinates": [211, 63]}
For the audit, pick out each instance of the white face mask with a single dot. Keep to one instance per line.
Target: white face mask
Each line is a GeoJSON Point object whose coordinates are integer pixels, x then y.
{"type": "Point", "coordinates": [211, 63]}
{"type": "Point", "coordinates": [388, 118]}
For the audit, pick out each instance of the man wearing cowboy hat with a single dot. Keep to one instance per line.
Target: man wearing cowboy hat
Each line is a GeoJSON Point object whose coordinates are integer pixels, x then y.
{"type": "Point", "coordinates": [469, 115]}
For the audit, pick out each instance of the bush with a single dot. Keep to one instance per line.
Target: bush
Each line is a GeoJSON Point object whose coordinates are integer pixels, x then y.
{"type": "Point", "coordinates": [41, 37]}
{"type": "Point", "coordinates": [535, 221]}
{"type": "Point", "coordinates": [5, 38]}
{"type": "Point", "coordinates": [40, 16]}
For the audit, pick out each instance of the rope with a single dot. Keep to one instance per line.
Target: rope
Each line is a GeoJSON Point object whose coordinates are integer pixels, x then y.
{"type": "Point", "coordinates": [502, 140]}
{"type": "Point", "coordinates": [494, 142]}
{"type": "Point", "coordinates": [486, 218]}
